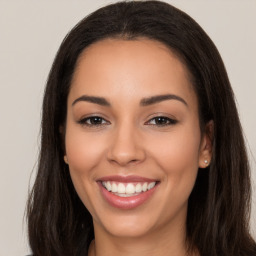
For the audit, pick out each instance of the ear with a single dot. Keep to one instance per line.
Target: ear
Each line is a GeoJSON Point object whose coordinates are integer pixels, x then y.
{"type": "Point", "coordinates": [205, 154]}
{"type": "Point", "coordinates": [62, 135]}
{"type": "Point", "coordinates": [66, 159]}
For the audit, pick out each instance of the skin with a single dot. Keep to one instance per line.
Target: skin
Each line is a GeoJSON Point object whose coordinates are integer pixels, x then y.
{"type": "Point", "coordinates": [128, 141]}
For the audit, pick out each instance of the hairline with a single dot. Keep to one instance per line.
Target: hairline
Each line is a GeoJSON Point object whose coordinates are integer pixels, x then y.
{"type": "Point", "coordinates": [126, 37]}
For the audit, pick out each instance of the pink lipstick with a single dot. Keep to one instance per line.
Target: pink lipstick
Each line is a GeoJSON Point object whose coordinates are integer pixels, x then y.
{"type": "Point", "coordinates": [127, 192]}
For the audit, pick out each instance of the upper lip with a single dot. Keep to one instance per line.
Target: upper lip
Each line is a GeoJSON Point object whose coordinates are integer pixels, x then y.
{"type": "Point", "coordinates": [130, 178]}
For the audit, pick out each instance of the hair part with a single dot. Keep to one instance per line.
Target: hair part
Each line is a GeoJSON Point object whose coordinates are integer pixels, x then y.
{"type": "Point", "coordinates": [219, 205]}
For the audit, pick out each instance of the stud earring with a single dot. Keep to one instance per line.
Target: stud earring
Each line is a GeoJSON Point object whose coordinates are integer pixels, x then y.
{"type": "Point", "coordinates": [206, 162]}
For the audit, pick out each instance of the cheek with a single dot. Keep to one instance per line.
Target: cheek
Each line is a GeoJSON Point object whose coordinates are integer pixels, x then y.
{"type": "Point", "coordinates": [177, 155]}
{"type": "Point", "coordinates": [83, 152]}
{"type": "Point", "coordinates": [178, 159]}
{"type": "Point", "coordinates": [181, 145]}
{"type": "Point", "coordinates": [82, 149]}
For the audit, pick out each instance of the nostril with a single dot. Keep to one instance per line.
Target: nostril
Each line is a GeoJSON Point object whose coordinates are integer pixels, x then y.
{"type": "Point", "coordinates": [124, 161]}
{"type": "Point", "coordinates": [125, 150]}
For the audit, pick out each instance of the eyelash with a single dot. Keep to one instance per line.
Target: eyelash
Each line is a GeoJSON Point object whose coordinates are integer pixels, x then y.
{"type": "Point", "coordinates": [167, 121]}
{"type": "Point", "coordinates": [84, 121]}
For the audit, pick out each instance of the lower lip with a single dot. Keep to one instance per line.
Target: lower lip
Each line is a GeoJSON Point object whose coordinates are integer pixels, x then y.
{"type": "Point", "coordinates": [126, 202]}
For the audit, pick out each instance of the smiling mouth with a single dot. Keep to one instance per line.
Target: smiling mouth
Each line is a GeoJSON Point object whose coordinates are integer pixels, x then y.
{"type": "Point", "coordinates": [127, 192]}
{"type": "Point", "coordinates": [128, 189]}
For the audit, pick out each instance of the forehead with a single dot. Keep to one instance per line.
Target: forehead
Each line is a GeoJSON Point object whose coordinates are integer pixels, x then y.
{"type": "Point", "coordinates": [143, 67]}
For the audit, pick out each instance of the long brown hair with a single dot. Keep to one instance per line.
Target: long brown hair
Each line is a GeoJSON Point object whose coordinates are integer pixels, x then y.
{"type": "Point", "coordinates": [219, 206]}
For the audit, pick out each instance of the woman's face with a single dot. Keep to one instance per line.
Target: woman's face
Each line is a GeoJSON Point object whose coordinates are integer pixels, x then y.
{"type": "Point", "coordinates": [133, 141]}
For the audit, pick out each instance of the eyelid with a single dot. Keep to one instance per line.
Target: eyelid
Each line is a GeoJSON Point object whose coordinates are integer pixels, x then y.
{"type": "Point", "coordinates": [172, 120]}
{"type": "Point", "coordinates": [82, 121]}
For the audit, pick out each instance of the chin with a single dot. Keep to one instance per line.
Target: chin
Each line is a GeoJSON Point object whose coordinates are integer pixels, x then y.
{"type": "Point", "coordinates": [128, 226]}
{"type": "Point", "coordinates": [128, 231]}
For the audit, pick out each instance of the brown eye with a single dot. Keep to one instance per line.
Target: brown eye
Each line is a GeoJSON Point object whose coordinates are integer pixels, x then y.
{"type": "Point", "coordinates": [93, 121]}
{"type": "Point", "coordinates": [162, 121]}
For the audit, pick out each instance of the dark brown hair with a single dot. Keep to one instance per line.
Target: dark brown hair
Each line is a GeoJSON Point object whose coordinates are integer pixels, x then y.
{"type": "Point", "coordinates": [219, 206]}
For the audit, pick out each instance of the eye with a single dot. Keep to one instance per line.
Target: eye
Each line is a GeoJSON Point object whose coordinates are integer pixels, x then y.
{"type": "Point", "coordinates": [93, 121]}
{"type": "Point", "coordinates": [161, 121]}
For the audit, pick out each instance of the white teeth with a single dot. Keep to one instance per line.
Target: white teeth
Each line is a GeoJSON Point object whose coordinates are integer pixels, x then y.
{"type": "Point", "coordinates": [121, 188]}
{"type": "Point", "coordinates": [130, 189]}
{"type": "Point", "coordinates": [114, 187]}
{"type": "Point", "coordinates": [127, 189]}
{"type": "Point", "coordinates": [125, 195]}
{"type": "Point", "coordinates": [138, 188]}
{"type": "Point", "coordinates": [151, 185]}
{"type": "Point", "coordinates": [145, 187]}
{"type": "Point", "coordinates": [108, 186]}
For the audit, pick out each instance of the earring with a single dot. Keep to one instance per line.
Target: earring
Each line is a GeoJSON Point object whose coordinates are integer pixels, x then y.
{"type": "Point", "coordinates": [206, 162]}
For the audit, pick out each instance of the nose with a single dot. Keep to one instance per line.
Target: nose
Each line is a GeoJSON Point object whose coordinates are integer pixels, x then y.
{"type": "Point", "coordinates": [126, 146]}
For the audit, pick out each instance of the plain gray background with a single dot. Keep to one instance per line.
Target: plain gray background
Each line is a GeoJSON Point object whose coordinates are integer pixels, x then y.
{"type": "Point", "coordinates": [30, 34]}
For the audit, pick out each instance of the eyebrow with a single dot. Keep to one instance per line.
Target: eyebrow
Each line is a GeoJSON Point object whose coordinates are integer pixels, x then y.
{"type": "Point", "coordinates": [97, 100]}
{"type": "Point", "coordinates": [160, 98]}
{"type": "Point", "coordinates": [144, 102]}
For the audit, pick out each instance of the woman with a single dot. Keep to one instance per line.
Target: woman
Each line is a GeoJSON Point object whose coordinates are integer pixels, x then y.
{"type": "Point", "coordinates": [142, 150]}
